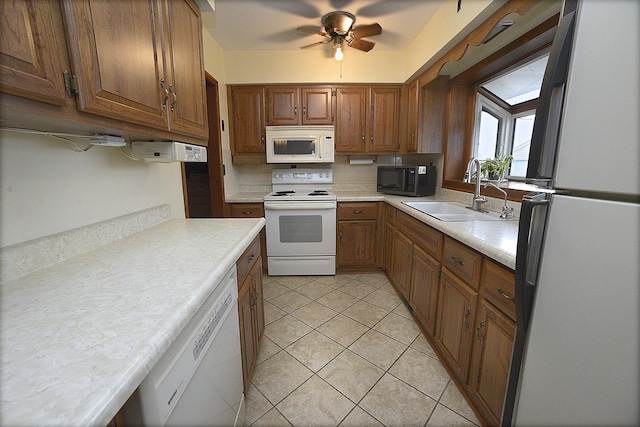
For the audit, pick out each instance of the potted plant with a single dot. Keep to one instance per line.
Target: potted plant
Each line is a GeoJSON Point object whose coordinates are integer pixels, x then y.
{"type": "Point", "coordinates": [495, 169]}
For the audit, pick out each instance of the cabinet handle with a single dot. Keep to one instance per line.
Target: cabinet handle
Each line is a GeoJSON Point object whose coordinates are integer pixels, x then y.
{"type": "Point", "coordinates": [304, 111]}
{"type": "Point", "coordinates": [457, 260]}
{"type": "Point", "coordinates": [467, 313]}
{"type": "Point", "coordinates": [166, 93]}
{"type": "Point", "coordinates": [247, 213]}
{"type": "Point", "coordinates": [505, 295]}
{"type": "Point", "coordinates": [480, 326]}
{"type": "Point", "coordinates": [175, 98]}
{"type": "Point", "coordinates": [251, 258]}
{"type": "Point", "coordinates": [363, 138]}
{"type": "Point", "coordinates": [262, 139]}
{"type": "Point", "coordinates": [295, 110]}
{"type": "Point", "coordinates": [357, 212]}
{"type": "Point", "coordinates": [371, 139]}
{"type": "Point", "coordinates": [340, 240]}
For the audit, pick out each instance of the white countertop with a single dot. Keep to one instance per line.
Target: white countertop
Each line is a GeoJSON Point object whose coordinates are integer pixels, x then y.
{"type": "Point", "coordinates": [495, 239]}
{"type": "Point", "coordinates": [78, 337]}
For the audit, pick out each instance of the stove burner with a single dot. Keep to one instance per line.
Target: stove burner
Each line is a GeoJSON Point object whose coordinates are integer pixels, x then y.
{"type": "Point", "coordinates": [318, 193]}
{"type": "Point", "coordinates": [283, 193]}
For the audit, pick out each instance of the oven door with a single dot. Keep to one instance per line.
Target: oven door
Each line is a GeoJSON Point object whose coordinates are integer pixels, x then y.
{"type": "Point", "coordinates": [300, 228]}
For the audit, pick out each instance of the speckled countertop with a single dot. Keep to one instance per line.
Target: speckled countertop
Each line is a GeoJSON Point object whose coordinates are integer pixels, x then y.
{"type": "Point", "coordinates": [78, 337]}
{"type": "Point", "coordinates": [495, 239]}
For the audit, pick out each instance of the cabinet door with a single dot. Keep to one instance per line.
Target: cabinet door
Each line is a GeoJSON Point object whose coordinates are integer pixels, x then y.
{"type": "Point", "coordinates": [247, 346]}
{"type": "Point", "coordinates": [185, 68]}
{"type": "Point", "coordinates": [356, 243]}
{"type": "Point", "coordinates": [258, 306]}
{"type": "Point", "coordinates": [432, 115]}
{"type": "Point", "coordinates": [424, 288]}
{"type": "Point", "coordinates": [389, 231]}
{"type": "Point", "coordinates": [492, 349]}
{"type": "Point", "coordinates": [117, 56]}
{"type": "Point", "coordinates": [412, 118]}
{"type": "Point", "coordinates": [317, 106]}
{"type": "Point", "coordinates": [33, 53]}
{"type": "Point", "coordinates": [350, 124]}
{"type": "Point", "coordinates": [454, 324]}
{"type": "Point", "coordinates": [282, 106]}
{"type": "Point", "coordinates": [383, 120]}
{"type": "Point", "coordinates": [402, 253]}
{"type": "Point", "coordinates": [247, 120]}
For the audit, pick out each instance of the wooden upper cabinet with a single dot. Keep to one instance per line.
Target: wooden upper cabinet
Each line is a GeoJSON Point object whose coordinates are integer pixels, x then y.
{"type": "Point", "coordinates": [411, 132]}
{"type": "Point", "coordinates": [247, 119]}
{"type": "Point", "coordinates": [431, 115]}
{"type": "Point", "coordinates": [384, 114]}
{"type": "Point", "coordinates": [33, 53]}
{"type": "Point", "coordinates": [317, 105]}
{"type": "Point", "coordinates": [351, 125]}
{"type": "Point", "coordinates": [367, 119]}
{"type": "Point", "coordinates": [139, 62]}
{"type": "Point", "coordinates": [185, 69]}
{"type": "Point", "coordinates": [282, 105]}
{"type": "Point", "coordinates": [287, 105]}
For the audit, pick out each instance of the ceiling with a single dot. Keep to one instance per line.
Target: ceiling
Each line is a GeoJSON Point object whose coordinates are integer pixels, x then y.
{"type": "Point", "coordinates": [272, 24]}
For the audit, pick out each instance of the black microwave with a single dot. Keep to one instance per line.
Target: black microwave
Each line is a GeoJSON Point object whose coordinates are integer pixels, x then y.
{"type": "Point", "coordinates": [407, 180]}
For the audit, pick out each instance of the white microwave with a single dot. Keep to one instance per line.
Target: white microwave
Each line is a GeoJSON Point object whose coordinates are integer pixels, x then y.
{"type": "Point", "coordinates": [300, 144]}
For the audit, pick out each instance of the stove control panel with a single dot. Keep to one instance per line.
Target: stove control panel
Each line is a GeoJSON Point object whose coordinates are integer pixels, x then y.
{"type": "Point", "coordinates": [301, 176]}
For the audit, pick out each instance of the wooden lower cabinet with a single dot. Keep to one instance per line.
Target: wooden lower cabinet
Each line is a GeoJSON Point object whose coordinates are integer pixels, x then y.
{"type": "Point", "coordinates": [424, 288]}
{"type": "Point", "coordinates": [402, 263]}
{"type": "Point", "coordinates": [464, 303]}
{"type": "Point", "coordinates": [250, 308]}
{"type": "Point", "coordinates": [493, 343]}
{"type": "Point", "coordinates": [357, 234]}
{"type": "Point", "coordinates": [251, 210]}
{"type": "Point", "coordinates": [455, 323]}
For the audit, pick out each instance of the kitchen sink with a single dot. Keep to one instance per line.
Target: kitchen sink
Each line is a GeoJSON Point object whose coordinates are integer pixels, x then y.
{"type": "Point", "coordinates": [453, 211]}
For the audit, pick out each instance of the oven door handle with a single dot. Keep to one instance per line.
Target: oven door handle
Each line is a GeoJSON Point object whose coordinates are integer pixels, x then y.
{"type": "Point", "coordinates": [307, 206]}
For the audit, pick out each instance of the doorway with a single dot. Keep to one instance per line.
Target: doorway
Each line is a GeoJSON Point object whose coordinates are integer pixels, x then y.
{"type": "Point", "coordinates": [203, 183]}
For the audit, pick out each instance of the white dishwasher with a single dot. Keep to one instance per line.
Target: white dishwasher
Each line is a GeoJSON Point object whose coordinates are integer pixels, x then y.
{"type": "Point", "coordinates": [198, 381]}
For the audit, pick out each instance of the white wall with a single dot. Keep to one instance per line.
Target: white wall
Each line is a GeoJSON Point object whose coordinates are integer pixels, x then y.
{"type": "Point", "coordinates": [47, 188]}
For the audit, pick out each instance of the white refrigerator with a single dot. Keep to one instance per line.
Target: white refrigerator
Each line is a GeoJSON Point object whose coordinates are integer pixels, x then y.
{"type": "Point", "coordinates": [577, 349]}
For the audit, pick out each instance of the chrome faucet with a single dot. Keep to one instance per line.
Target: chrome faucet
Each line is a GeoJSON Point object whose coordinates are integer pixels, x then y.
{"type": "Point", "coordinates": [506, 210]}
{"type": "Point", "coordinates": [478, 199]}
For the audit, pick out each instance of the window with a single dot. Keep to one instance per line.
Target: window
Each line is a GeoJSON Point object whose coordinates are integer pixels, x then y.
{"type": "Point", "coordinates": [502, 128]}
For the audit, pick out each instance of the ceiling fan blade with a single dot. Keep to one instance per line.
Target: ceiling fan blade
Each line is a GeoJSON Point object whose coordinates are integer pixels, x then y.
{"type": "Point", "coordinates": [311, 31]}
{"type": "Point", "coordinates": [315, 44]}
{"type": "Point", "coordinates": [367, 30]}
{"type": "Point", "coordinates": [363, 45]}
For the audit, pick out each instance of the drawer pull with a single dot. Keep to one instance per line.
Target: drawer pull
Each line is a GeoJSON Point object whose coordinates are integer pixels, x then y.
{"type": "Point", "coordinates": [357, 212]}
{"type": "Point", "coordinates": [457, 260]}
{"type": "Point", "coordinates": [505, 295]}
{"type": "Point", "coordinates": [480, 325]}
{"type": "Point", "coordinates": [247, 213]}
{"type": "Point", "coordinates": [251, 258]}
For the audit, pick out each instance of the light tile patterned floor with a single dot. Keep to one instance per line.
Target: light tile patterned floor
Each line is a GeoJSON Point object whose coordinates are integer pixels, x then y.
{"type": "Point", "coordinates": [344, 351]}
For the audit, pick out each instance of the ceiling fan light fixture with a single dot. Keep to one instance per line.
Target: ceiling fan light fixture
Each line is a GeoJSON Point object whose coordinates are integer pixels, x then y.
{"type": "Point", "coordinates": [339, 55]}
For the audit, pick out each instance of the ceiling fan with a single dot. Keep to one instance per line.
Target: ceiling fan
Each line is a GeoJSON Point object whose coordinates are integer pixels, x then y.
{"type": "Point", "coordinates": [338, 29]}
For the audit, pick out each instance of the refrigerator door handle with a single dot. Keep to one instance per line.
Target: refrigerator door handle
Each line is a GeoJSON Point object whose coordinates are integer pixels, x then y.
{"type": "Point", "coordinates": [530, 235]}
{"type": "Point", "coordinates": [544, 139]}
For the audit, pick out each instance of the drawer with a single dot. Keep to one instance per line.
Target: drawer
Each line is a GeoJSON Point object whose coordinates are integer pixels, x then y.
{"type": "Point", "coordinates": [247, 259]}
{"type": "Point", "coordinates": [246, 210]}
{"type": "Point", "coordinates": [463, 261]}
{"type": "Point", "coordinates": [498, 286]}
{"type": "Point", "coordinates": [355, 211]}
{"type": "Point", "coordinates": [390, 214]}
{"type": "Point", "coordinates": [428, 238]}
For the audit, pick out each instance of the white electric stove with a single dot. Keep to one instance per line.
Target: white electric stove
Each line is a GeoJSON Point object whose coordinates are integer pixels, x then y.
{"type": "Point", "coordinates": [301, 222]}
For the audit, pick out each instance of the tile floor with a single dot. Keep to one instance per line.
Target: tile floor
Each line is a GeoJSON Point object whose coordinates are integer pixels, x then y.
{"type": "Point", "coordinates": [344, 351]}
